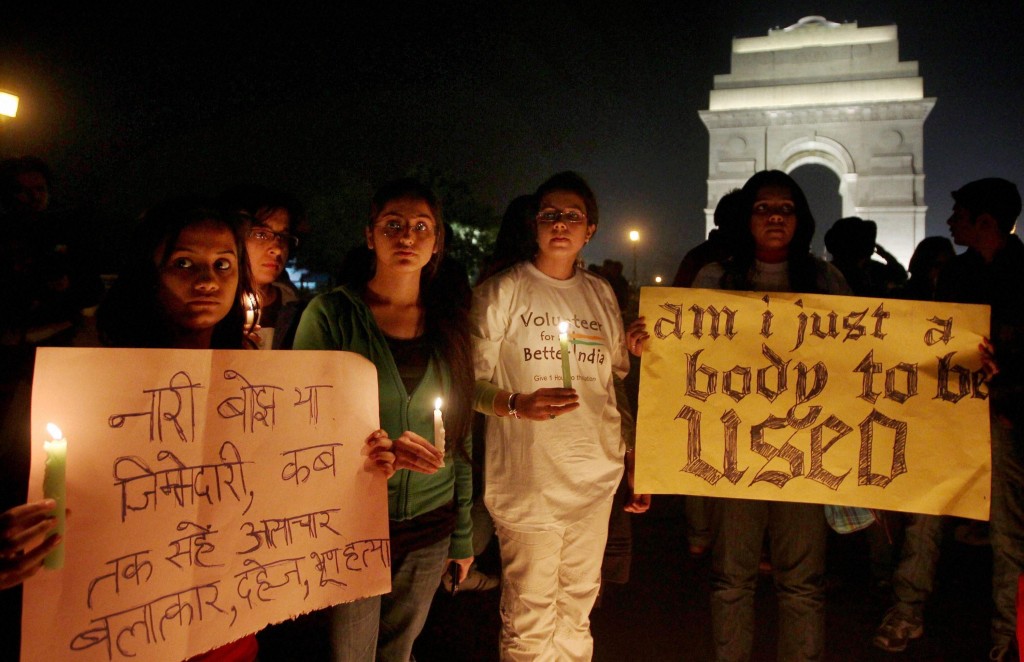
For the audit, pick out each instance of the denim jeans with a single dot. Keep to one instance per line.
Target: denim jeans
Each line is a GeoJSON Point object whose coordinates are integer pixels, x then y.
{"type": "Point", "coordinates": [1006, 529]}
{"type": "Point", "coordinates": [698, 520]}
{"type": "Point", "coordinates": [797, 533]}
{"type": "Point", "coordinates": [390, 623]}
{"type": "Point", "coordinates": [914, 578]}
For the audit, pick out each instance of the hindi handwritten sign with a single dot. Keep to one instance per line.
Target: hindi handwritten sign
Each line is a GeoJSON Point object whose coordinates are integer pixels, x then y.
{"type": "Point", "coordinates": [213, 492]}
{"type": "Point", "coordinates": [822, 399]}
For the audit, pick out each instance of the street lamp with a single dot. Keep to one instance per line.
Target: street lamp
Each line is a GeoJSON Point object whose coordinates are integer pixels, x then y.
{"type": "Point", "coordinates": [8, 104]}
{"type": "Point", "coordinates": [634, 237]}
{"type": "Point", "coordinates": [657, 279]}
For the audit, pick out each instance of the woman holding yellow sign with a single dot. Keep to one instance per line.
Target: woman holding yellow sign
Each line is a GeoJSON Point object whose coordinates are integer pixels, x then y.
{"type": "Point", "coordinates": [772, 255]}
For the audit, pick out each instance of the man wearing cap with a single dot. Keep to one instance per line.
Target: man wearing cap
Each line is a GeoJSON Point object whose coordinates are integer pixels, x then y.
{"type": "Point", "coordinates": [991, 271]}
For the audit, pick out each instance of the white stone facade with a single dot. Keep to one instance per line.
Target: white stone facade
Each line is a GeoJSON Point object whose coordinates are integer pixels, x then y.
{"type": "Point", "coordinates": [829, 94]}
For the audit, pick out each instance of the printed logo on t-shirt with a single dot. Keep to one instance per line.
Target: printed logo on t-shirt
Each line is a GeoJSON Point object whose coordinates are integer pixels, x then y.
{"type": "Point", "coordinates": [585, 346]}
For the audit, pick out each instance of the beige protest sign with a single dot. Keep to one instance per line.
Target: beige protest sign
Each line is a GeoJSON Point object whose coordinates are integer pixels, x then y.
{"type": "Point", "coordinates": [822, 399]}
{"type": "Point", "coordinates": [213, 492]}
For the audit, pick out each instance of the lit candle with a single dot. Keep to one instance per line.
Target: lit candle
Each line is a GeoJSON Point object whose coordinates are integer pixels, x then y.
{"type": "Point", "coordinates": [53, 488]}
{"type": "Point", "coordinates": [438, 428]}
{"type": "Point", "coordinates": [563, 339]}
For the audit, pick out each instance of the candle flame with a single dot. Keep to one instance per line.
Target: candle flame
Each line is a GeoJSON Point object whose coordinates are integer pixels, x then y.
{"type": "Point", "coordinates": [437, 404]}
{"type": "Point", "coordinates": [54, 431]}
{"type": "Point", "coordinates": [563, 327]}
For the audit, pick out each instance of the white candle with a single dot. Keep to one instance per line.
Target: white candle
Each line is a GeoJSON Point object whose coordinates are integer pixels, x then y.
{"type": "Point", "coordinates": [438, 427]}
{"type": "Point", "coordinates": [563, 340]}
{"type": "Point", "coordinates": [54, 488]}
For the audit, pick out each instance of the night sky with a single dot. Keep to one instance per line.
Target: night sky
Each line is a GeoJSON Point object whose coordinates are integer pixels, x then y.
{"type": "Point", "coordinates": [131, 106]}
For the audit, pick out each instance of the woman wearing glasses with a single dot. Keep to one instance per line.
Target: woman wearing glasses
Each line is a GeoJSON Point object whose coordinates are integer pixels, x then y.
{"type": "Point", "coordinates": [553, 454]}
{"type": "Point", "coordinates": [402, 311]}
{"type": "Point", "coordinates": [272, 219]}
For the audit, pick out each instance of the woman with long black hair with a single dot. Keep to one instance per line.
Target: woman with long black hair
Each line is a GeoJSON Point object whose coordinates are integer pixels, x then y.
{"type": "Point", "coordinates": [405, 310]}
{"type": "Point", "coordinates": [770, 254]}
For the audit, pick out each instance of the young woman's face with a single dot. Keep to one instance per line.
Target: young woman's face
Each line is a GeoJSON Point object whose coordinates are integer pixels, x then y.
{"type": "Point", "coordinates": [562, 225]}
{"type": "Point", "coordinates": [404, 235]}
{"type": "Point", "coordinates": [773, 220]}
{"type": "Point", "coordinates": [199, 279]}
{"type": "Point", "coordinates": [268, 245]}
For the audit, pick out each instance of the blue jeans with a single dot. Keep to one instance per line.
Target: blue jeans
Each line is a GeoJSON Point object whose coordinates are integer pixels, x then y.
{"type": "Point", "coordinates": [1006, 529]}
{"type": "Point", "coordinates": [914, 578]}
{"type": "Point", "coordinates": [797, 534]}
{"type": "Point", "coordinates": [384, 627]}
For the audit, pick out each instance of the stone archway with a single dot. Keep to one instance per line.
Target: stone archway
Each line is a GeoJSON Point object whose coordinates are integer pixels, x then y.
{"type": "Point", "coordinates": [831, 94]}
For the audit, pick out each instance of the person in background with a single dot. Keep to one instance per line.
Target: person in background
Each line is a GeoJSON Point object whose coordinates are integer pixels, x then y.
{"type": "Point", "coordinates": [730, 216]}
{"type": "Point", "coordinates": [514, 242]}
{"type": "Point", "coordinates": [272, 223]}
{"type": "Point", "coordinates": [47, 260]}
{"type": "Point", "coordinates": [728, 219]}
{"type": "Point", "coordinates": [515, 238]}
{"type": "Point", "coordinates": [921, 533]}
{"type": "Point", "coordinates": [772, 254]}
{"type": "Point", "coordinates": [929, 259]}
{"type": "Point", "coordinates": [991, 271]}
{"type": "Point", "coordinates": [851, 241]}
{"type": "Point", "coordinates": [403, 311]}
{"type": "Point", "coordinates": [554, 453]}
{"type": "Point", "coordinates": [47, 271]}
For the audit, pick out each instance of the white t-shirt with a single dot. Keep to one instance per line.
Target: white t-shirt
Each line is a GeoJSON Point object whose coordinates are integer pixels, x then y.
{"type": "Point", "coordinates": [546, 474]}
{"type": "Point", "coordinates": [774, 277]}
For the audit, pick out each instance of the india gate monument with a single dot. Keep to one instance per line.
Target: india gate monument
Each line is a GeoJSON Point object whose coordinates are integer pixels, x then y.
{"type": "Point", "coordinates": [831, 94]}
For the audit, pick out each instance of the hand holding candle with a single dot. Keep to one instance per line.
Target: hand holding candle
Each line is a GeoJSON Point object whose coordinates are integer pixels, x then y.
{"type": "Point", "coordinates": [438, 428]}
{"type": "Point", "coordinates": [563, 339]}
{"type": "Point", "coordinates": [54, 488]}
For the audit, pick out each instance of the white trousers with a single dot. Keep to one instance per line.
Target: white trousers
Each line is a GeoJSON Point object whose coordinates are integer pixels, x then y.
{"type": "Point", "coordinates": [550, 580]}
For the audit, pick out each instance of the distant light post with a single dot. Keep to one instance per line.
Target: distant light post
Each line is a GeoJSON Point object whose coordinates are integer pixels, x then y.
{"type": "Point", "coordinates": [8, 109]}
{"type": "Point", "coordinates": [634, 237]}
{"type": "Point", "coordinates": [8, 104]}
{"type": "Point", "coordinates": [657, 279]}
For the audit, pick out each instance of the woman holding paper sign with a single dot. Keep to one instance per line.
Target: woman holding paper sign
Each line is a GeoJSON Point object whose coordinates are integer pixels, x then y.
{"type": "Point", "coordinates": [405, 310]}
{"type": "Point", "coordinates": [771, 255]}
{"type": "Point", "coordinates": [182, 289]}
{"type": "Point", "coordinates": [554, 453]}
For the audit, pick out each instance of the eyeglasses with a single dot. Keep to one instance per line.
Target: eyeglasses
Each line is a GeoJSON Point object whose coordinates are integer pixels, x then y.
{"type": "Point", "coordinates": [396, 228]}
{"type": "Point", "coordinates": [267, 236]}
{"type": "Point", "coordinates": [569, 216]}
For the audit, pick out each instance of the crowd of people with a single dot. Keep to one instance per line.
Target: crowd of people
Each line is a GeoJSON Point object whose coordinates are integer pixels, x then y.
{"type": "Point", "coordinates": [545, 465]}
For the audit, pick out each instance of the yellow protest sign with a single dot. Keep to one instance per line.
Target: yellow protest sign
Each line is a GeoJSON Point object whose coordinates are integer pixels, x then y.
{"type": "Point", "coordinates": [213, 492]}
{"type": "Point", "coordinates": [821, 399]}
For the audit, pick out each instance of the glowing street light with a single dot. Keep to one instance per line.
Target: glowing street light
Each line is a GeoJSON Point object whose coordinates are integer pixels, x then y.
{"type": "Point", "coordinates": [657, 279]}
{"type": "Point", "coordinates": [634, 237]}
{"type": "Point", "coordinates": [8, 104]}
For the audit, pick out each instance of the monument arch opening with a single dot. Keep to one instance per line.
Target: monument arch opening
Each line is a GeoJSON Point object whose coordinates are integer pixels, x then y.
{"type": "Point", "coordinates": [821, 184]}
